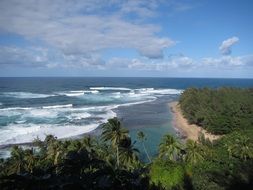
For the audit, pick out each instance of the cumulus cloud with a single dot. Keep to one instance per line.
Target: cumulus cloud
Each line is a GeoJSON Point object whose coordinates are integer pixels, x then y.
{"type": "Point", "coordinates": [47, 58]}
{"type": "Point", "coordinates": [175, 62]}
{"type": "Point", "coordinates": [229, 62]}
{"type": "Point", "coordinates": [226, 45]}
{"type": "Point", "coordinates": [35, 57]}
{"type": "Point", "coordinates": [74, 34]}
{"type": "Point", "coordinates": [78, 27]}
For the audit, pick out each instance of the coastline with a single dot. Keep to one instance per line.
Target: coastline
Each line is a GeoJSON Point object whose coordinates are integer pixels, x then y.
{"type": "Point", "coordinates": [186, 130]}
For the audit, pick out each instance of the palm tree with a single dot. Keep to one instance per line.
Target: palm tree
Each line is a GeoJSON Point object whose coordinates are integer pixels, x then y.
{"type": "Point", "coordinates": [127, 153]}
{"type": "Point", "coordinates": [88, 143]}
{"type": "Point", "coordinates": [114, 132]}
{"type": "Point", "coordinates": [194, 152]}
{"type": "Point", "coordinates": [141, 136]}
{"type": "Point", "coordinates": [55, 151]}
{"type": "Point", "coordinates": [30, 159]}
{"type": "Point", "coordinates": [17, 160]}
{"type": "Point", "coordinates": [73, 145]}
{"type": "Point", "coordinates": [169, 147]}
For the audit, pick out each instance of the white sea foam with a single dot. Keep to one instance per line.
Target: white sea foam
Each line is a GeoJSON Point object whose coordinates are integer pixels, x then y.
{"type": "Point", "coordinates": [28, 112]}
{"type": "Point", "coordinates": [8, 112]}
{"type": "Point", "coordinates": [17, 108]}
{"type": "Point", "coordinates": [77, 91]}
{"type": "Point", "coordinates": [74, 94]}
{"type": "Point", "coordinates": [94, 91]}
{"type": "Point", "coordinates": [26, 95]}
{"type": "Point", "coordinates": [20, 121]}
{"type": "Point", "coordinates": [22, 133]}
{"type": "Point", "coordinates": [110, 88]}
{"type": "Point", "coordinates": [78, 119]}
{"type": "Point", "coordinates": [58, 106]}
{"type": "Point", "coordinates": [116, 95]}
{"type": "Point", "coordinates": [139, 102]}
{"type": "Point", "coordinates": [159, 91]}
{"type": "Point", "coordinates": [80, 115]}
{"type": "Point", "coordinates": [109, 114]}
{"type": "Point", "coordinates": [47, 113]}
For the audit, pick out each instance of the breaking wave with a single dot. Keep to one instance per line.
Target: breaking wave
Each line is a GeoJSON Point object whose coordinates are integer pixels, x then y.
{"type": "Point", "coordinates": [70, 113]}
{"type": "Point", "coordinates": [25, 95]}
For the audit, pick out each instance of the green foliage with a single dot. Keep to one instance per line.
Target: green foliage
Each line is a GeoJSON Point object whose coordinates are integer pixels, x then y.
{"type": "Point", "coordinates": [194, 152]}
{"type": "Point", "coordinates": [169, 148]}
{"type": "Point", "coordinates": [229, 166]}
{"type": "Point", "coordinates": [167, 174]}
{"type": "Point", "coordinates": [220, 111]}
{"type": "Point", "coordinates": [115, 133]}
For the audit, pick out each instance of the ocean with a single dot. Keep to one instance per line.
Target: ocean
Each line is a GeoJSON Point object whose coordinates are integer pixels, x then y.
{"type": "Point", "coordinates": [71, 107]}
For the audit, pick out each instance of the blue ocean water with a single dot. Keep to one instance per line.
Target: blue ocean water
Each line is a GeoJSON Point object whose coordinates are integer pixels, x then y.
{"type": "Point", "coordinates": [68, 107]}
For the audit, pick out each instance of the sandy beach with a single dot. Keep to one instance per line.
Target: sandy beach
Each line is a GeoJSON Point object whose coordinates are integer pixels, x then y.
{"type": "Point", "coordinates": [189, 131]}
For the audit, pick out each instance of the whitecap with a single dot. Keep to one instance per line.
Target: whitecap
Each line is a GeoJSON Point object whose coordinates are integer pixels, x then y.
{"type": "Point", "coordinates": [57, 106]}
{"type": "Point", "coordinates": [110, 88]}
{"type": "Point", "coordinates": [23, 131]}
{"type": "Point", "coordinates": [159, 91]}
{"type": "Point", "coordinates": [15, 111]}
{"type": "Point", "coordinates": [116, 95]}
{"type": "Point", "coordinates": [94, 91]}
{"type": "Point", "coordinates": [77, 91]}
{"type": "Point", "coordinates": [47, 113]}
{"type": "Point", "coordinates": [17, 108]}
{"type": "Point", "coordinates": [74, 94]}
{"type": "Point", "coordinates": [139, 102]}
{"type": "Point", "coordinates": [79, 115]}
{"type": "Point", "coordinates": [15, 134]}
{"type": "Point", "coordinates": [26, 95]}
{"type": "Point", "coordinates": [20, 121]}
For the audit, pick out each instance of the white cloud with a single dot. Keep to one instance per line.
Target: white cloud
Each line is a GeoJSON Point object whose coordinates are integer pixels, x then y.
{"type": "Point", "coordinates": [35, 57]}
{"type": "Point", "coordinates": [230, 62]}
{"type": "Point", "coordinates": [83, 27]}
{"type": "Point", "coordinates": [48, 58]}
{"type": "Point", "coordinates": [75, 33]}
{"type": "Point", "coordinates": [176, 62]}
{"type": "Point", "coordinates": [140, 8]}
{"type": "Point", "coordinates": [226, 45]}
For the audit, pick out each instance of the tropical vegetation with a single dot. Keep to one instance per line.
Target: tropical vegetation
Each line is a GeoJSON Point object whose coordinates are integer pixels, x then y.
{"type": "Point", "coordinates": [111, 160]}
{"type": "Point", "coordinates": [219, 111]}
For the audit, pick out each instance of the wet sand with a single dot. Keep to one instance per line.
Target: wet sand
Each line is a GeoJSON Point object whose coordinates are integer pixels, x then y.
{"type": "Point", "coordinates": [186, 130]}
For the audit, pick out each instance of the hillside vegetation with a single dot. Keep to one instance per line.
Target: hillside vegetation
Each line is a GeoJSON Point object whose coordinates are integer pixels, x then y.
{"type": "Point", "coordinates": [219, 111]}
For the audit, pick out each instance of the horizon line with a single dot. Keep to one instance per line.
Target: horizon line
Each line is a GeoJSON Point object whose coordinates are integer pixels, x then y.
{"type": "Point", "coordinates": [123, 77]}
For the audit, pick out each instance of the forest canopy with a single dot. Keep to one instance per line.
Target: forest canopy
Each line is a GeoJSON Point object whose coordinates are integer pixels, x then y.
{"type": "Point", "coordinates": [219, 111]}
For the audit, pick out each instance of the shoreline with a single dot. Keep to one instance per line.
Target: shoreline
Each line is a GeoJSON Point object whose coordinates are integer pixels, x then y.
{"type": "Point", "coordinates": [186, 130]}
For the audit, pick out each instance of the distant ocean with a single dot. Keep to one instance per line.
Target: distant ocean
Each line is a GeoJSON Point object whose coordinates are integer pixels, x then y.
{"type": "Point", "coordinates": [70, 107]}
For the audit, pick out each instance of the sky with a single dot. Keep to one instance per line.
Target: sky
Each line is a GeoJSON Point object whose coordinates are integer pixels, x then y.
{"type": "Point", "coordinates": [126, 38]}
